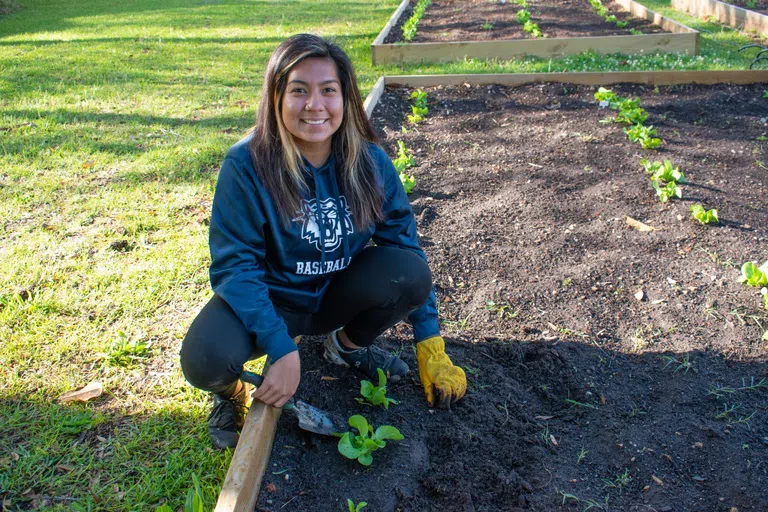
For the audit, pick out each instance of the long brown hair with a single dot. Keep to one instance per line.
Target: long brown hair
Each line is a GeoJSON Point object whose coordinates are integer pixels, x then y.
{"type": "Point", "coordinates": [276, 156]}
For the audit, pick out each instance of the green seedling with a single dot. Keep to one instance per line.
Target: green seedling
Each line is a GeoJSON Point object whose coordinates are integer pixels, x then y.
{"type": "Point", "coordinates": [376, 395]}
{"type": "Point", "coordinates": [523, 16]}
{"type": "Point", "coordinates": [685, 364]}
{"type": "Point", "coordinates": [487, 25]}
{"type": "Point", "coordinates": [746, 385]}
{"type": "Point", "coordinates": [356, 508]}
{"type": "Point", "coordinates": [404, 161]}
{"type": "Point", "coordinates": [502, 310]}
{"type": "Point", "coordinates": [367, 441]}
{"type": "Point", "coordinates": [608, 98]}
{"type": "Point", "coordinates": [667, 191]}
{"type": "Point", "coordinates": [404, 158]}
{"type": "Point", "coordinates": [635, 32]}
{"type": "Point", "coordinates": [631, 115]}
{"type": "Point", "coordinates": [522, 3]}
{"type": "Point", "coordinates": [703, 215]}
{"type": "Point", "coordinates": [643, 135]}
{"type": "Point", "coordinates": [753, 275]}
{"type": "Point", "coordinates": [610, 18]}
{"type": "Point", "coordinates": [621, 24]}
{"type": "Point", "coordinates": [419, 109]}
{"type": "Point", "coordinates": [751, 4]}
{"type": "Point", "coordinates": [663, 171]}
{"type": "Point", "coordinates": [532, 28]}
{"type": "Point", "coordinates": [409, 27]}
{"type": "Point", "coordinates": [765, 94]}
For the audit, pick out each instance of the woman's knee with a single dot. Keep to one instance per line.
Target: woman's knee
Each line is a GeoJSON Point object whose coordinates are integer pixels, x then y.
{"type": "Point", "coordinates": [215, 347]}
{"type": "Point", "coordinates": [410, 274]}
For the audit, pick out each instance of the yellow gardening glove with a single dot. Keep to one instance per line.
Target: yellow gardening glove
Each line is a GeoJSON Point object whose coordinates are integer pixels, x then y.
{"type": "Point", "coordinates": [444, 384]}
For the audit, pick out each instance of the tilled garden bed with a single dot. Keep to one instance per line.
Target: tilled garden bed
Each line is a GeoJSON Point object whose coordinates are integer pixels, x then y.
{"type": "Point", "coordinates": [582, 391]}
{"type": "Point", "coordinates": [455, 29]}
{"type": "Point", "coordinates": [480, 20]}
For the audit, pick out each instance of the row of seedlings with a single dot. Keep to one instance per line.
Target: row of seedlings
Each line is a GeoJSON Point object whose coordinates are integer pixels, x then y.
{"type": "Point", "coordinates": [666, 179]}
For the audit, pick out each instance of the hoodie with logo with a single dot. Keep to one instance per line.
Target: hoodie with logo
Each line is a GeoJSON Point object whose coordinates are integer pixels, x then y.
{"type": "Point", "coordinates": [256, 260]}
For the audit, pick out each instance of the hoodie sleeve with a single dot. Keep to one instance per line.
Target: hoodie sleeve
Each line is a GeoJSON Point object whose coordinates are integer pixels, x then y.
{"type": "Point", "coordinates": [399, 230]}
{"type": "Point", "coordinates": [237, 247]}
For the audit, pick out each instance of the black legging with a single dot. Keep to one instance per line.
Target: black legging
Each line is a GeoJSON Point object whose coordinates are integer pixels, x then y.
{"type": "Point", "coordinates": [378, 289]}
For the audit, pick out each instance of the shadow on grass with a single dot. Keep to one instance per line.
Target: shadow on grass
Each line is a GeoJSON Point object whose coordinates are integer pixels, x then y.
{"type": "Point", "coordinates": [40, 16]}
{"type": "Point", "coordinates": [76, 457]}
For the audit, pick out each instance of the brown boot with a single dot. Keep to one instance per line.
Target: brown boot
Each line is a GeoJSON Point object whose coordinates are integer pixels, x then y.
{"type": "Point", "coordinates": [227, 417]}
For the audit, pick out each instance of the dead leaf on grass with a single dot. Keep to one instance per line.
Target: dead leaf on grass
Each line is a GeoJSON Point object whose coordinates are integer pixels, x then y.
{"type": "Point", "coordinates": [644, 228]}
{"type": "Point", "coordinates": [90, 391]}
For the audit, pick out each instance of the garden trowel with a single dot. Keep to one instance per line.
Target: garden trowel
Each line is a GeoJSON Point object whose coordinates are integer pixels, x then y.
{"type": "Point", "coordinates": [310, 418]}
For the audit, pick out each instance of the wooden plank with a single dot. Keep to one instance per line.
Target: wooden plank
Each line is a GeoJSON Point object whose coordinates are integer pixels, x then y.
{"type": "Point", "coordinates": [243, 480]}
{"type": "Point", "coordinates": [391, 23]}
{"type": "Point", "coordinates": [373, 97]}
{"type": "Point", "coordinates": [731, 15]}
{"type": "Point", "coordinates": [544, 48]}
{"type": "Point", "coordinates": [640, 11]}
{"type": "Point", "coordinates": [249, 462]}
{"type": "Point", "coordinates": [513, 79]}
{"type": "Point", "coordinates": [679, 38]}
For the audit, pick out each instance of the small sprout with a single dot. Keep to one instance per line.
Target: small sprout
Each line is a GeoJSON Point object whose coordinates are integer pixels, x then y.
{"type": "Point", "coordinates": [367, 440]}
{"type": "Point", "coordinates": [753, 275]}
{"type": "Point", "coordinates": [376, 395]}
{"type": "Point", "coordinates": [685, 364]}
{"type": "Point", "coordinates": [419, 109]}
{"type": "Point", "coordinates": [487, 25]}
{"type": "Point", "coordinates": [356, 508]}
{"type": "Point", "coordinates": [643, 135]}
{"type": "Point", "coordinates": [404, 161]}
{"type": "Point", "coordinates": [667, 191]}
{"type": "Point", "coordinates": [523, 16]}
{"type": "Point", "coordinates": [703, 215]}
{"type": "Point", "coordinates": [582, 455]}
{"type": "Point", "coordinates": [621, 24]}
{"type": "Point", "coordinates": [765, 94]}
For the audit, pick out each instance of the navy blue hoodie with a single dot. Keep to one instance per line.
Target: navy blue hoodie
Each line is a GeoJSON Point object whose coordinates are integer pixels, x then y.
{"type": "Point", "coordinates": [256, 260]}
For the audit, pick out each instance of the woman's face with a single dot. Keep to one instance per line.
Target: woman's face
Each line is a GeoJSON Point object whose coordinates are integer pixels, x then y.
{"type": "Point", "coordinates": [313, 104]}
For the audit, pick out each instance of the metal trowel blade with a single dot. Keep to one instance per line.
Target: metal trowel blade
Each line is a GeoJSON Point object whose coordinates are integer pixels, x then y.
{"type": "Point", "coordinates": [320, 422]}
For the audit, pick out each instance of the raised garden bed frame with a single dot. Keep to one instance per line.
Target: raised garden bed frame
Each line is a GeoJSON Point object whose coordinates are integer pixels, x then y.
{"type": "Point", "coordinates": [727, 14]}
{"type": "Point", "coordinates": [242, 484]}
{"type": "Point", "coordinates": [679, 38]}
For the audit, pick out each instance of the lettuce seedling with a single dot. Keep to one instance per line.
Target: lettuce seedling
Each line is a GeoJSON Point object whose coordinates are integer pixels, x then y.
{"type": "Point", "coordinates": [367, 441]}
{"type": "Point", "coordinates": [409, 27]}
{"type": "Point", "coordinates": [532, 28]}
{"type": "Point", "coordinates": [621, 24]}
{"type": "Point", "coordinates": [404, 161]}
{"type": "Point", "coordinates": [754, 275]}
{"type": "Point", "coordinates": [667, 191]}
{"type": "Point", "coordinates": [631, 115]}
{"type": "Point", "coordinates": [663, 171]}
{"type": "Point", "coordinates": [404, 158]}
{"type": "Point", "coordinates": [376, 395]}
{"type": "Point", "coordinates": [703, 215]}
{"type": "Point", "coordinates": [523, 16]}
{"type": "Point", "coordinates": [644, 135]}
{"type": "Point", "coordinates": [356, 508]}
{"type": "Point", "coordinates": [419, 108]}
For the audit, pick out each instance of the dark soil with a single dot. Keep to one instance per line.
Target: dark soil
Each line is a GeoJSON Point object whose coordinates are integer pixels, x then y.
{"type": "Point", "coordinates": [576, 387]}
{"type": "Point", "coordinates": [481, 20]}
{"type": "Point", "coordinates": [760, 6]}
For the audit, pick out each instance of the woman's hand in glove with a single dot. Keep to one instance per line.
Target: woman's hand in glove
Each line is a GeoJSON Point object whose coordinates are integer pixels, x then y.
{"type": "Point", "coordinates": [444, 384]}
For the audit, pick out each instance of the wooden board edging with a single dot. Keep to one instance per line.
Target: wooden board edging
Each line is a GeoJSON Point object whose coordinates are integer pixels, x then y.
{"type": "Point", "coordinates": [577, 78]}
{"type": "Point", "coordinates": [246, 470]}
{"type": "Point", "coordinates": [392, 22]}
{"type": "Point", "coordinates": [727, 14]}
{"type": "Point", "coordinates": [679, 38]}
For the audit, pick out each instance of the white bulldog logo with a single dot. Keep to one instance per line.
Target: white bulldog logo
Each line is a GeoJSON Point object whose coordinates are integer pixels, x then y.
{"type": "Point", "coordinates": [332, 222]}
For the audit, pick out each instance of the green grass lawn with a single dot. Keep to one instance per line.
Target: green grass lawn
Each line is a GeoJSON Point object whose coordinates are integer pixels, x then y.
{"type": "Point", "coordinates": [113, 121]}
